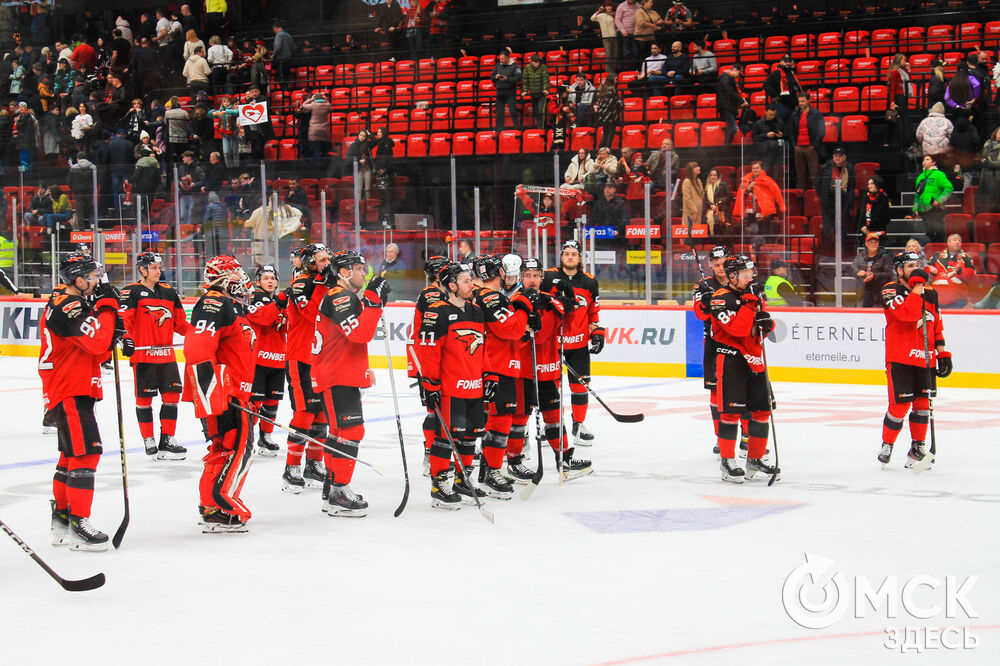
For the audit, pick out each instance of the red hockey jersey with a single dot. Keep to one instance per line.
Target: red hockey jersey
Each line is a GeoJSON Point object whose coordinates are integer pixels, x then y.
{"type": "Point", "coordinates": [547, 344]}
{"type": "Point", "coordinates": [344, 327]}
{"type": "Point", "coordinates": [576, 327]}
{"type": "Point", "coordinates": [904, 327]}
{"type": "Point", "coordinates": [428, 297]}
{"type": "Point", "coordinates": [450, 348]}
{"type": "Point", "coordinates": [305, 295]}
{"type": "Point", "coordinates": [504, 327]}
{"type": "Point", "coordinates": [75, 340]}
{"type": "Point", "coordinates": [220, 334]}
{"type": "Point", "coordinates": [151, 318]}
{"type": "Point", "coordinates": [733, 325]}
{"type": "Point", "coordinates": [268, 322]}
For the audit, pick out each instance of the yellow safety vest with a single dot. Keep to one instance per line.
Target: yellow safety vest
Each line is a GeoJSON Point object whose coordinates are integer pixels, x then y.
{"type": "Point", "coordinates": [6, 253]}
{"type": "Point", "coordinates": [771, 290]}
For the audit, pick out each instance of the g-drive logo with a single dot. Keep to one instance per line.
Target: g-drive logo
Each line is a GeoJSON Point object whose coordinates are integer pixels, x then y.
{"type": "Point", "coordinates": [817, 596]}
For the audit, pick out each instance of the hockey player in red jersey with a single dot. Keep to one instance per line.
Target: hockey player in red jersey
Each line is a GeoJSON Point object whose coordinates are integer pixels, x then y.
{"type": "Point", "coordinates": [914, 343]}
{"type": "Point", "coordinates": [266, 314]}
{"type": "Point", "coordinates": [579, 328]}
{"type": "Point", "coordinates": [429, 295]}
{"type": "Point", "coordinates": [506, 322]}
{"type": "Point", "coordinates": [308, 417]}
{"type": "Point", "coordinates": [703, 291]}
{"type": "Point", "coordinates": [449, 354]}
{"type": "Point", "coordinates": [552, 307]}
{"type": "Point", "coordinates": [153, 313]}
{"type": "Point", "coordinates": [739, 320]}
{"type": "Point", "coordinates": [344, 327]}
{"type": "Point", "coordinates": [218, 373]}
{"type": "Point", "coordinates": [76, 338]}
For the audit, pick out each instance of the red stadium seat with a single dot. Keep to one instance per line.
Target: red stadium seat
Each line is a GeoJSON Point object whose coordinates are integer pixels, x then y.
{"type": "Point", "coordinates": [381, 96]}
{"type": "Point", "coordinates": [863, 171]}
{"type": "Point", "coordinates": [657, 133]}
{"type": "Point", "coordinates": [864, 70]}
{"type": "Point", "coordinates": [940, 37]}
{"type": "Point", "coordinates": [288, 149]}
{"type": "Point", "coordinates": [846, 100]}
{"type": "Point", "coordinates": [657, 109]}
{"type": "Point", "coordinates": [468, 67]}
{"type": "Point", "coordinates": [802, 46]}
{"type": "Point", "coordinates": [416, 145]}
{"type": "Point", "coordinates": [633, 110]}
{"type": "Point", "coordinates": [364, 74]}
{"type": "Point", "coordinates": [399, 145]}
{"type": "Point", "coordinates": [439, 145]}
{"type": "Point", "coordinates": [634, 136]}
{"type": "Point", "coordinates": [403, 95]}
{"type": "Point", "coordinates": [447, 68]}
{"type": "Point", "coordinates": [423, 92]}
{"type": "Point", "coordinates": [405, 71]}
{"type": "Point", "coordinates": [749, 49]}
{"type": "Point", "coordinates": [775, 47]}
{"type": "Point", "coordinates": [810, 204]}
{"type": "Point", "coordinates": [486, 143]}
{"type": "Point", "coordinates": [465, 92]}
{"type": "Point", "coordinates": [958, 223]}
{"type": "Point", "coordinates": [385, 72]}
{"type": "Point", "coordinates": [533, 141]}
{"type": "Point", "coordinates": [509, 142]}
{"type": "Point", "coordinates": [920, 64]}
{"type": "Point", "coordinates": [682, 107]}
{"type": "Point", "coordinates": [754, 75]}
{"type": "Point", "coordinates": [988, 229]}
{"type": "Point", "coordinates": [579, 59]}
{"type": "Point", "coordinates": [757, 102]}
{"type": "Point", "coordinates": [356, 122]}
{"type": "Point", "coordinates": [444, 93]}
{"type": "Point", "coordinates": [441, 119]}
{"type": "Point", "coordinates": [583, 137]}
{"type": "Point", "coordinates": [828, 45]}
{"type": "Point", "coordinates": [822, 99]}
{"type": "Point", "coordinates": [484, 117]}
{"type": "Point", "coordinates": [883, 41]}
{"type": "Point", "coordinates": [340, 99]}
{"type": "Point", "coordinates": [706, 107]}
{"type": "Point", "coordinates": [969, 199]}
{"type": "Point", "coordinates": [463, 143]}
{"type": "Point", "coordinates": [991, 36]}
{"type": "Point", "coordinates": [465, 118]}
{"type": "Point", "coordinates": [837, 71]}
{"type": "Point", "coordinates": [854, 129]}
{"type": "Point", "coordinates": [832, 129]}
{"type": "Point", "coordinates": [324, 76]}
{"type": "Point", "coordinates": [713, 133]}
{"type": "Point", "coordinates": [725, 52]}
{"type": "Point", "coordinates": [912, 39]}
{"type": "Point", "coordinates": [855, 43]}
{"type": "Point", "coordinates": [399, 121]}
{"type": "Point", "coordinates": [486, 65]}
{"type": "Point", "coordinates": [874, 99]}
{"type": "Point", "coordinates": [343, 74]}
{"type": "Point", "coordinates": [993, 259]}
{"type": "Point", "coordinates": [686, 135]}
{"type": "Point", "coordinates": [420, 120]}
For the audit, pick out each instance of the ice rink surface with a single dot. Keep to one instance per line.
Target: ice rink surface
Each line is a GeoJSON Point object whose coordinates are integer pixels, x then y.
{"type": "Point", "coordinates": [653, 559]}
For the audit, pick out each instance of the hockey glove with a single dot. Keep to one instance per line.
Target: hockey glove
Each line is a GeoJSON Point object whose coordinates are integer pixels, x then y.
{"type": "Point", "coordinates": [705, 298]}
{"type": "Point", "coordinates": [918, 276]}
{"type": "Point", "coordinates": [520, 302]}
{"type": "Point", "coordinates": [535, 321]}
{"type": "Point", "coordinates": [432, 392]}
{"type": "Point", "coordinates": [326, 277]}
{"type": "Point", "coordinates": [490, 385]}
{"type": "Point", "coordinates": [533, 297]}
{"type": "Point", "coordinates": [597, 341]}
{"type": "Point", "coordinates": [944, 366]}
{"type": "Point", "coordinates": [756, 288]}
{"type": "Point", "coordinates": [377, 292]}
{"type": "Point", "coordinates": [750, 299]}
{"type": "Point", "coordinates": [764, 322]}
{"type": "Point", "coordinates": [128, 347]}
{"type": "Point", "coordinates": [106, 297]}
{"type": "Point", "coordinates": [281, 298]}
{"type": "Point", "coordinates": [566, 294]}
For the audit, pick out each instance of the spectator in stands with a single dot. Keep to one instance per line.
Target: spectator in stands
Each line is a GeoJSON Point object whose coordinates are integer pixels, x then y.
{"type": "Point", "coordinates": [282, 54]}
{"type": "Point", "coordinates": [988, 193]}
{"type": "Point", "coordinates": [873, 269]}
{"type": "Point", "coordinates": [63, 83]}
{"type": "Point", "coordinates": [83, 129]}
{"type": "Point", "coordinates": [563, 119]}
{"type": "Point", "coordinates": [80, 180]}
{"type": "Point", "coordinates": [623, 173]}
{"type": "Point", "coordinates": [281, 221]}
{"type": "Point", "coordinates": [692, 196]}
{"type": "Point", "coordinates": [360, 151]}
{"type": "Point", "coordinates": [965, 145]}
{"type": "Point", "coordinates": [61, 209]}
{"type": "Point", "coordinates": [29, 139]}
{"type": "Point", "coordinates": [417, 18]}
{"type": "Point", "coordinates": [952, 265]}
{"type": "Point", "coordinates": [393, 267]}
{"type": "Point", "coordinates": [934, 133]}
{"type": "Point", "coordinates": [608, 109]}
{"type": "Point", "coordinates": [258, 73]}
{"type": "Point", "coordinates": [229, 131]}
{"type": "Point", "coordinates": [963, 89]}
{"type": "Point", "coordinates": [215, 15]}
{"type": "Point", "coordinates": [603, 170]}
{"type": "Point", "coordinates": [937, 85]}
{"type": "Point", "coordinates": [197, 70]}
{"type": "Point", "coordinates": [147, 146]}
{"type": "Point", "coordinates": [215, 226]}
{"type": "Point", "coordinates": [41, 203]}
{"type": "Point", "coordinates": [647, 23]}
{"type": "Point", "coordinates": [677, 68]}
{"type": "Point", "coordinates": [506, 75]}
{"type": "Point", "coordinates": [913, 245]}
{"type": "Point", "coordinates": [979, 68]}
{"type": "Point", "coordinates": [192, 42]}
{"type": "Point", "coordinates": [535, 84]}
{"type": "Point", "coordinates": [609, 210]}
{"type": "Point", "coordinates": [188, 20]}
{"type": "Point", "coordinates": [581, 96]}
{"type": "Point", "coordinates": [53, 127]}
{"type": "Point", "coordinates": [933, 188]}
{"type": "Point", "coordinates": [16, 79]}
{"type": "Point", "coordinates": [120, 161]}
{"type": "Point", "coordinates": [900, 92]}
{"type": "Point", "coordinates": [189, 185]}
{"type": "Point", "coordinates": [704, 66]}
{"type": "Point", "coordinates": [319, 126]}
{"type": "Point", "coordinates": [758, 200]}
{"type": "Point", "coordinates": [729, 100]}
{"type": "Point", "coordinates": [651, 78]}
{"type": "Point", "coordinates": [658, 162]}
{"type": "Point", "coordinates": [873, 213]}
{"type": "Point", "coordinates": [837, 167]}
{"type": "Point", "coordinates": [625, 23]}
{"type": "Point", "coordinates": [718, 197]}
{"type": "Point", "coordinates": [382, 147]}
{"type": "Point", "coordinates": [144, 68]}
{"type": "Point", "coordinates": [465, 251]}
{"type": "Point", "coordinates": [389, 22]}
{"type": "Point", "coordinates": [680, 17]}
{"type": "Point", "coordinates": [177, 124]}
{"type": "Point", "coordinates": [806, 129]}
{"type": "Point", "coordinates": [605, 18]}
{"type": "Point", "coordinates": [778, 291]}
{"type": "Point", "coordinates": [257, 134]}
{"type": "Point", "coordinates": [135, 121]}
{"type": "Point", "coordinates": [768, 136]}
{"type": "Point", "coordinates": [579, 166]}
{"type": "Point", "coordinates": [220, 59]}
{"type": "Point", "coordinates": [84, 55]}
{"type": "Point", "coordinates": [783, 88]}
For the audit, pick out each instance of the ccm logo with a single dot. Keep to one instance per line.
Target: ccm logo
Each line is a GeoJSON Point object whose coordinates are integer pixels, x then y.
{"type": "Point", "coordinates": [469, 384]}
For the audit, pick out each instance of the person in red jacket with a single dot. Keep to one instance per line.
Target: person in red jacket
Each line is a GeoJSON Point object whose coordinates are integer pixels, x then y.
{"type": "Point", "coordinates": [914, 343]}
{"type": "Point", "coordinates": [758, 200]}
{"type": "Point", "coordinates": [506, 322]}
{"type": "Point", "coordinates": [76, 338]}
{"type": "Point", "coordinates": [428, 296]}
{"type": "Point", "coordinates": [580, 327]}
{"type": "Point", "coordinates": [219, 369]}
{"type": "Point", "coordinates": [308, 417]}
{"type": "Point", "coordinates": [449, 356]}
{"type": "Point", "coordinates": [344, 327]}
{"type": "Point", "coordinates": [739, 322]}
{"type": "Point", "coordinates": [266, 314]}
{"type": "Point", "coordinates": [153, 314]}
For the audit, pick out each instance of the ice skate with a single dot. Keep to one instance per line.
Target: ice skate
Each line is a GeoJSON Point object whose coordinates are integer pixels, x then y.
{"type": "Point", "coordinates": [344, 502]}
{"type": "Point", "coordinates": [573, 468]}
{"type": "Point", "coordinates": [757, 466]}
{"type": "Point", "coordinates": [443, 495]}
{"type": "Point", "coordinates": [83, 535]}
{"type": "Point", "coordinates": [107, 368]}
{"type": "Point", "coordinates": [731, 472]}
{"type": "Point", "coordinates": [59, 528]}
{"type": "Point", "coordinates": [292, 481]}
{"type": "Point", "coordinates": [427, 464]}
{"type": "Point", "coordinates": [150, 445]}
{"type": "Point", "coordinates": [517, 472]}
{"type": "Point", "coordinates": [885, 454]}
{"type": "Point", "coordinates": [582, 436]}
{"type": "Point", "coordinates": [169, 449]}
{"type": "Point", "coordinates": [267, 446]}
{"type": "Point", "coordinates": [918, 458]}
{"type": "Point", "coordinates": [217, 521]}
{"type": "Point", "coordinates": [497, 485]}
{"type": "Point", "coordinates": [314, 474]}
{"type": "Point", "coordinates": [467, 488]}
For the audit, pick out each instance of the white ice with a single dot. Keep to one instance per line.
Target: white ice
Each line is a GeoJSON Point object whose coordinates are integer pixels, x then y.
{"type": "Point", "coordinates": [700, 585]}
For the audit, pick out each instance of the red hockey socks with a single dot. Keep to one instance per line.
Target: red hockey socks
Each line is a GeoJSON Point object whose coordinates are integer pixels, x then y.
{"type": "Point", "coordinates": [893, 422]}
{"type": "Point", "coordinates": [578, 400]}
{"type": "Point", "coordinates": [144, 413]}
{"type": "Point", "coordinates": [495, 442]}
{"type": "Point", "coordinates": [343, 441]}
{"type": "Point", "coordinates": [318, 432]}
{"type": "Point", "coordinates": [518, 430]}
{"type": "Point", "coordinates": [440, 455]}
{"type": "Point", "coordinates": [59, 482]}
{"type": "Point", "coordinates": [268, 409]}
{"type": "Point", "coordinates": [551, 418]}
{"type": "Point", "coordinates": [728, 428]}
{"type": "Point", "coordinates": [168, 413]}
{"type": "Point", "coordinates": [757, 430]}
{"type": "Point", "coordinates": [80, 484]}
{"type": "Point", "coordinates": [301, 423]}
{"type": "Point", "coordinates": [919, 419]}
{"type": "Point", "coordinates": [430, 427]}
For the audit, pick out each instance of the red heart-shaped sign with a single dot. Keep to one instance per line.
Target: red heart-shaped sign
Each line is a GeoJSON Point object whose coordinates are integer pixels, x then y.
{"type": "Point", "coordinates": [253, 112]}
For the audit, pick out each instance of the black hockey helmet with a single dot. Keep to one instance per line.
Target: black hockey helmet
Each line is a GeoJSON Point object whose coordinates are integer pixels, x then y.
{"type": "Point", "coordinates": [450, 273]}
{"type": "Point", "coordinates": [264, 270]}
{"type": "Point", "coordinates": [531, 264]}
{"type": "Point", "coordinates": [488, 267]}
{"type": "Point", "coordinates": [147, 258]}
{"type": "Point", "coordinates": [77, 265]}
{"type": "Point", "coordinates": [736, 263]}
{"type": "Point", "coordinates": [433, 266]}
{"type": "Point", "coordinates": [346, 259]}
{"type": "Point", "coordinates": [717, 252]}
{"type": "Point", "coordinates": [903, 258]}
{"type": "Point", "coordinates": [296, 253]}
{"type": "Point", "coordinates": [309, 252]}
{"type": "Point", "coordinates": [572, 244]}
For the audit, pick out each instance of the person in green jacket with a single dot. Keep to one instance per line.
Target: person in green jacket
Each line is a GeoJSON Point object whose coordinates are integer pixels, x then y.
{"type": "Point", "coordinates": [535, 83]}
{"type": "Point", "coordinates": [777, 289]}
{"type": "Point", "coordinates": [933, 189]}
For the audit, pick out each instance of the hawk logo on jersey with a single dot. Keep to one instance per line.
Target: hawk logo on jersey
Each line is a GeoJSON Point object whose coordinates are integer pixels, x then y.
{"type": "Point", "coordinates": [160, 312]}
{"type": "Point", "coordinates": [473, 339]}
{"type": "Point", "coordinates": [69, 307]}
{"type": "Point", "coordinates": [581, 301]}
{"type": "Point", "coordinates": [251, 334]}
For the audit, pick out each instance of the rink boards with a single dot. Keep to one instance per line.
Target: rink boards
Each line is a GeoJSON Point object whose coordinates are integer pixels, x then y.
{"type": "Point", "coordinates": [831, 345]}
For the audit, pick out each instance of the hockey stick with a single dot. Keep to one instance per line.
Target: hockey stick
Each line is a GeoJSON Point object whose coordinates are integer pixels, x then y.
{"type": "Point", "coordinates": [770, 395]}
{"type": "Point", "coordinates": [562, 401]}
{"type": "Point", "coordinates": [443, 425]}
{"type": "Point", "coordinates": [306, 437]}
{"type": "Point", "coordinates": [621, 418]}
{"type": "Point", "coordinates": [697, 259]}
{"type": "Point", "coordinates": [399, 424]}
{"type": "Point", "coordinates": [925, 463]}
{"type": "Point", "coordinates": [537, 476]}
{"type": "Point", "coordinates": [91, 583]}
{"type": "Point", "coordinates": [116, 541]}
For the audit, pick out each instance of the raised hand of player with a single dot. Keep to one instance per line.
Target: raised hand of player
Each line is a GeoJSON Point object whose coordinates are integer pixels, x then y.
{"type": "Point", "coordinates": [520, 302]}
{"type": "Point", "coordinates": [566, 295]}
{"type": "Point", "coordinates": [764, 322]}
{"type": "Point", "coordinates": [597, 341]}
{"type": "Point", "coordinates": [377, 292]}
{"type": "Point", "coordinates": [128, 347]}
{"type": "Point", "coordinates": [106, 296]}
{"type": "Point", "coordinates": [281, 299]}
{"type": "Point", "coordinates": [918, 276]}
{"type": "Point", "coordinates": [944, 366]}
{"type": "Point", "coordinates": [756, 288]}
